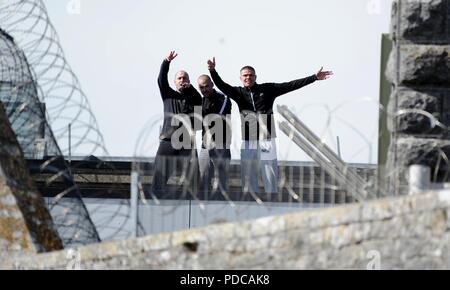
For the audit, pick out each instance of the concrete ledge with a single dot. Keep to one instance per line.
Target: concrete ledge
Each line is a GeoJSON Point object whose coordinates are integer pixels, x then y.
{"type": "Point", "coordinates": [404, 233]}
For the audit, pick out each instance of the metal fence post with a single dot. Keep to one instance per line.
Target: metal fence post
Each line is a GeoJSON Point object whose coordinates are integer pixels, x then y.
{"type": "Point", "coordinates": [134, 202]}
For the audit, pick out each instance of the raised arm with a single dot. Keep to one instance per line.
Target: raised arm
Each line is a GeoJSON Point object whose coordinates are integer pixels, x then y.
{"type": "Point", "coordinates": [163, 81]}
{"type": "Point", "coordinates": [284, 88]}
{"type": "Point", "coordinates": [221, 85]}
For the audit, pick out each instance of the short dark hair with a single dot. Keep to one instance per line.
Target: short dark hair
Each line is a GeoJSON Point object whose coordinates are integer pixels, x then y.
{"type": "Point", "coordinates": [249, 68]}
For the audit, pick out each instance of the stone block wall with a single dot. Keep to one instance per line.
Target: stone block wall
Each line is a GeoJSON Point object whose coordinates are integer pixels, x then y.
{"type": "Point", "coordinates": [411, 232]}
{"type": "Point", "coordinates": [419, 69]}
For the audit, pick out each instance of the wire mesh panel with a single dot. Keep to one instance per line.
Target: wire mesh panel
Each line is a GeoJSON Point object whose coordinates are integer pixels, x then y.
{"type": "Point", "coordinates": [172, 209]}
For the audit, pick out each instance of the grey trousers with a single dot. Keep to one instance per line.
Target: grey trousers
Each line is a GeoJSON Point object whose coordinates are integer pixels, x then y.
{"type": "Point", "coordinates": [259, 156]}
{"type": "Point", "coordinates": [214, 163]}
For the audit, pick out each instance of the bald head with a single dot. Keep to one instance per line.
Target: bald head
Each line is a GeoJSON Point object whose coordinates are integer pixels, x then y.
{"type": "Point", "coordinates": [205, 85]}
{"type": "Point", "coordinates": [182, 80]}
{"type": "Point", "coordinates": [204, 78]}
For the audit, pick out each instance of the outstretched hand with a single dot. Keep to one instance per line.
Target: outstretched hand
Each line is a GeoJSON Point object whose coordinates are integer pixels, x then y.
{"type": "Point", "coordinates": [323, 75]}
{"type": "Point", "coordinates": [172, 55]}
{"type": "Point", "coordinates": [212, 64]}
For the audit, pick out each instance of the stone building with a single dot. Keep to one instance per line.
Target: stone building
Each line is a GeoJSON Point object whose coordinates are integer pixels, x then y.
{"type": "Point", "coordinates": [419, 69]}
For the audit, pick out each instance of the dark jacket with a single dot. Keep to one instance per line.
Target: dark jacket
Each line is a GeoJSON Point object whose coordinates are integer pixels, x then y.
{"type": "Point", "coordinates": [218, 108]}
{"type": "Point", "coordinates": [175, 102]}
{"type": "Point", "coordinates": [256, 104]}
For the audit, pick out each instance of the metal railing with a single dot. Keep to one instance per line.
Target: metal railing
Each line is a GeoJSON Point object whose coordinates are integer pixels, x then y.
{"type": "Point", "coordinates": [323, 155]}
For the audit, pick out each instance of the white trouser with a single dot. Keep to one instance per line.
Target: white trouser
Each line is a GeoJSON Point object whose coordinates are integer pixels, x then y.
{"type": "Point", "coordinates": [260, 154]}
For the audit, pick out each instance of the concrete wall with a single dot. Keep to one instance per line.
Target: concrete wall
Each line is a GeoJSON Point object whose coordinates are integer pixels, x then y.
{"type": "Point", "coordinates": [419, 69]}
{"type": "Point", "coordinates": [410, 232]}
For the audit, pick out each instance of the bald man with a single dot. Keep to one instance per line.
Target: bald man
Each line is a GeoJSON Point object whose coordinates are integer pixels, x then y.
{"type": "Point", "coordinates": [173, 154]}
{"type": "Point", "coordinates": [215, 155]}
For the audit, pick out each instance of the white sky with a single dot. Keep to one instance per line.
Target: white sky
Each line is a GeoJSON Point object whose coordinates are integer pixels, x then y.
{"type": "Point", "coordinates": [115, 47]}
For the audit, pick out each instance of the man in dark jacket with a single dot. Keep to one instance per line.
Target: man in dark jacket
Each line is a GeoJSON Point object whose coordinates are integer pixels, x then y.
{"type": "Point", "coordinates": [177, 151]}
{"type": "Point", "coordinates": [215, 155]}
{"type": "Point", "coordinates": [255, 103]}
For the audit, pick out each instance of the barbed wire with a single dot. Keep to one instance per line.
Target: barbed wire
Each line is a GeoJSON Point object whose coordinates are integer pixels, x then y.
{"type": "Point", "coordinates": [35, 66]}
{"type": "Point", "coordinates": [302, 185]}
{"type": "Point", "coordinates": [58, 87]}
{"type": "Point", "coordinates": [52, 119]}
{"type": "Point", "coordinates": [19, 95]}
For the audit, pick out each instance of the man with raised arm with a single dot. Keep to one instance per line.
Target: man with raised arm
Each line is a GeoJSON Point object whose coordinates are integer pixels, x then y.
{"type": "Point", "coordinates": [176, 150]}
{"type": "Point", "coordinates": [255, 103]}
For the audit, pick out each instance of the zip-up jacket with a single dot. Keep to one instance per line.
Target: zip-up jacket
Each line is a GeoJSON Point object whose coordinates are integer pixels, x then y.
{"type": "Point", "coordinates": [256, 104]}
{"type": "Point", "coordinates": [175, 102]}
{"type": "Point", "coordinates": [218, 108]}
